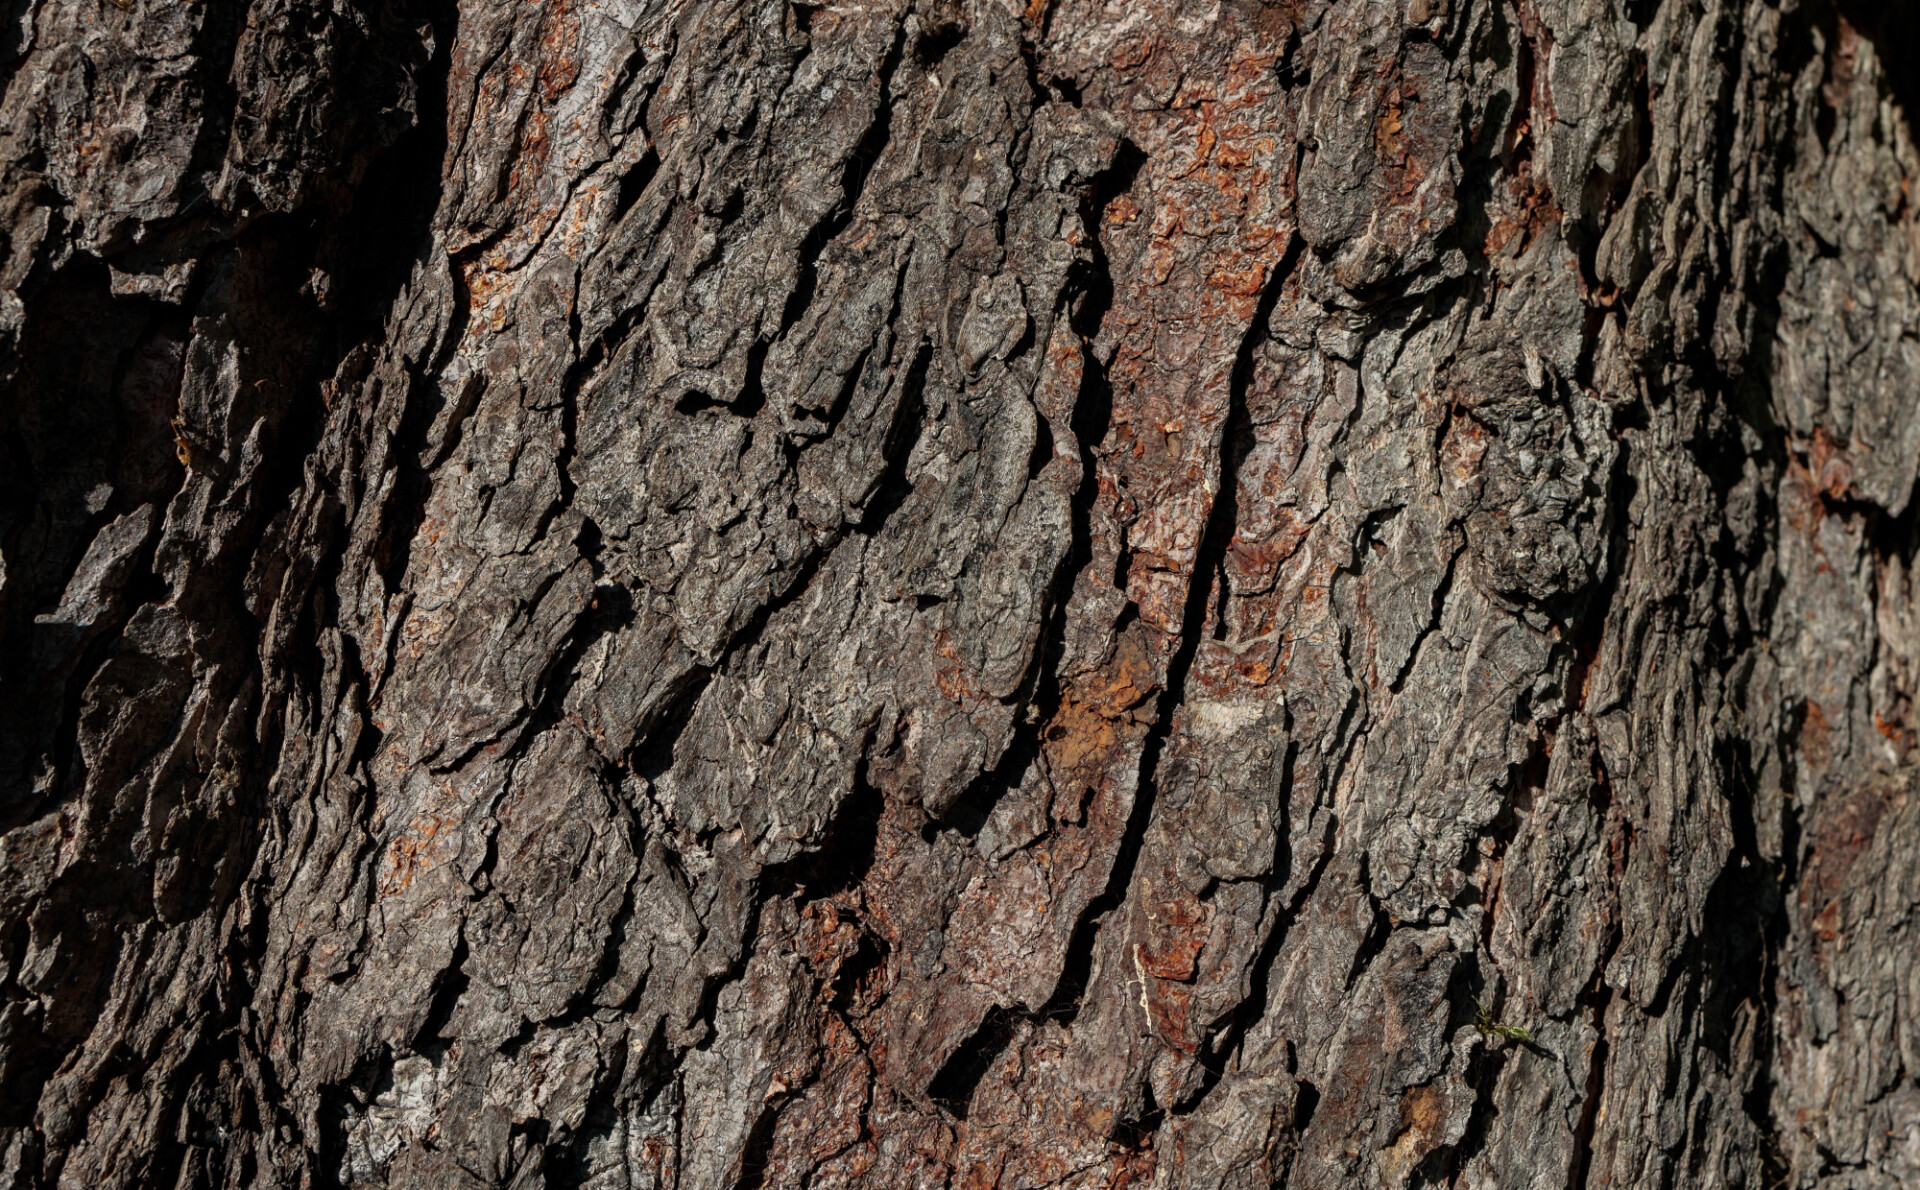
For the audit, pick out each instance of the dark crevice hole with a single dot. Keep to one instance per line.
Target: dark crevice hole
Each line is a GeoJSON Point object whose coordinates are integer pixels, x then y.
{"type": "Point", "coordinates": [934, 44]}
{"type": "Point", "coordinates": [953, 1087]}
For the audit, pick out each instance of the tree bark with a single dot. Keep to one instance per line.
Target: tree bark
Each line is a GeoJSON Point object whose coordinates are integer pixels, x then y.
{"type": "Point", "coordinates": [919, 593]}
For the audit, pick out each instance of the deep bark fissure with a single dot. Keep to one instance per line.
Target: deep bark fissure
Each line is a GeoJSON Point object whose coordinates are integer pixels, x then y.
{"type": "Point", "coordinates": [1202, 585]}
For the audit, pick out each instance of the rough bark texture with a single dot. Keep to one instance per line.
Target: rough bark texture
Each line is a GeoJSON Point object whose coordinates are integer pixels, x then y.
{"type": "Point", "coordinates": [915, 593]}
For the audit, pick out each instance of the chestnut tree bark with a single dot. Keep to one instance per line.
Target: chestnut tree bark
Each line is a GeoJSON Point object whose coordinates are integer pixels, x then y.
{"type": "Point", "coordinates": [938, 593]}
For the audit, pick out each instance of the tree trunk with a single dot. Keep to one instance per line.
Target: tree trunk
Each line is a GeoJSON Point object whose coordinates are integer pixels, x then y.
{"type": "Point", "coordinates": [910, 593]}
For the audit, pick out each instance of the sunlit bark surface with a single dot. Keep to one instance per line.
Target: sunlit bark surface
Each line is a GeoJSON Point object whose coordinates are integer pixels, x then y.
{"type": "Point", "coordinates": [714, 594]}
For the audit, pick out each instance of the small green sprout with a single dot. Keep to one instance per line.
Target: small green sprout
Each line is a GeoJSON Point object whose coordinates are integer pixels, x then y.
{"type": "Point", "coordinates": [1483, 1021]}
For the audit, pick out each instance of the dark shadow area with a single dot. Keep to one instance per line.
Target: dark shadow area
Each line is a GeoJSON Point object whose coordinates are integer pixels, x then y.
{"type": "Point", "coordinates": [1893, 26]}
{"type": "Point", "coordinates": [953, 1087]}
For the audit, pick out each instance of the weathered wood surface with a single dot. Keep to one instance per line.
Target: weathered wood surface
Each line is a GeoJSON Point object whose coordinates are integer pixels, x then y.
{"type": "Point", "coordinates": [885, 593]}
